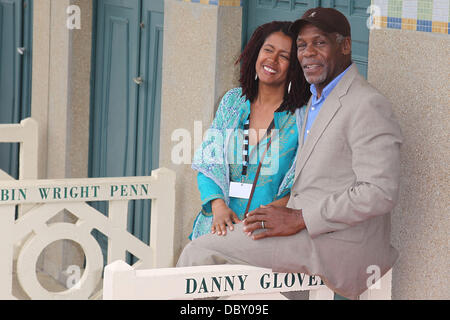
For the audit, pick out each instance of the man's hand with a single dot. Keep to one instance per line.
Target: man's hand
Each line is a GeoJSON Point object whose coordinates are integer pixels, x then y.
{"type": "Point", "coordinates": [278, 221]}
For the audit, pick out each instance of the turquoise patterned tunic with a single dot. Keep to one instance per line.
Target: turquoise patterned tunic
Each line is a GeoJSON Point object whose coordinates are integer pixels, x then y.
{"type": "Point", "coordinates": [219, 160]}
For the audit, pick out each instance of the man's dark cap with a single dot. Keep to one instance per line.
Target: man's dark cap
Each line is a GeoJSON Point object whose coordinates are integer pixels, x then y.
{"type": "Point", "coordinates": [327, 19]}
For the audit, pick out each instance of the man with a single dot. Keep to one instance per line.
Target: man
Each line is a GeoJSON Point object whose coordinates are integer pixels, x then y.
{"type": "Point", "coordinates": [337, 221]}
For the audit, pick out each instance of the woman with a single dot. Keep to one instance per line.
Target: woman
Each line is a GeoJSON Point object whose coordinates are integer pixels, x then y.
{"type": "Point", "coordinates": [272, 93]}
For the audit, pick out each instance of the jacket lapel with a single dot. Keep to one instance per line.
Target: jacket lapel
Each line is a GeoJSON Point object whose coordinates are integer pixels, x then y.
{"type": "Point", "coordinates": [329, 108]}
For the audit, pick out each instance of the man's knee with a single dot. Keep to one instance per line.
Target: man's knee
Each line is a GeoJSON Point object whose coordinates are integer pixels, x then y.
{"type": "Point", "coordinates": [209, 250]}
{"type": "Point", "coordinates": [185, 259]}
{"type": "Point", "coordinates": [195, 254]}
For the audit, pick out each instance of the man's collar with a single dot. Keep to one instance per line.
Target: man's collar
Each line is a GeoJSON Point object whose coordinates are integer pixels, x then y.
{"type": "Point", "coordinates": [329, 87]}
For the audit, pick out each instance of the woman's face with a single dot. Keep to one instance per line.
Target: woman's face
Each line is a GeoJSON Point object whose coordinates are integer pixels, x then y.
{"type": "Point", "coordinates": [273, 60]}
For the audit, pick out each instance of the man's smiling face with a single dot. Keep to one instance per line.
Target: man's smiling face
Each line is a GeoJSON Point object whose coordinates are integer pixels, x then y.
{"type": "Point", "coordinates": [321, 56]}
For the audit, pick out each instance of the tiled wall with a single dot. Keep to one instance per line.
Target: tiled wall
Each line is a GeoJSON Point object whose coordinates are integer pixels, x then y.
{"type": "Point", "coordinates": [419, 15]}
{"type": "Point", "coordinates": [222, 3]}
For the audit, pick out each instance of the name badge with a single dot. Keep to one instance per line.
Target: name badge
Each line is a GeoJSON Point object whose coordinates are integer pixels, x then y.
{"type": "Point", "coordinates": [240, 190]}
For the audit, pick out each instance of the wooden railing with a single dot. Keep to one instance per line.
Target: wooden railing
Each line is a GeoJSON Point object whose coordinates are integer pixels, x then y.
{"type": "Point", "coordinates": [122, 281]}
{"type": "Point", "coordinates": [26, 134]}
{"type": "Point", "coordinates": [54, 196]}
{"type": "Point", "coordinates": [23, 237]}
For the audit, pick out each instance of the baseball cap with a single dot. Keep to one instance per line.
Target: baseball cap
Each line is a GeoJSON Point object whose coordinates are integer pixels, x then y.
{"type": "Point", "coordinates": [327, 19]}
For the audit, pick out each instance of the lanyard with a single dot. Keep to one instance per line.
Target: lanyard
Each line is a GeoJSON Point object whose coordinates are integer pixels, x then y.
{"type": "Point", "coordinates": [245, 153]}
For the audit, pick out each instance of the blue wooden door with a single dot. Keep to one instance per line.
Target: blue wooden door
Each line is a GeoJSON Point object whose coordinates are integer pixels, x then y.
{"type": "Point", "coordinates": [126, 101]}
{"type": "Point", "coordinates": [15, 72]}
{"type": "Point", "coordinates": [262, 11]}
{"type": "Point", "coordinates": [356, 13]}
{"type": "Point", "coordinates": [149, 108]}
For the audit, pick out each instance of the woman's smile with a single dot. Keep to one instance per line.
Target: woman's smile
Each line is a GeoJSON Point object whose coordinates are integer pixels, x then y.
{"type": "Point", "coordinates": [270, 70]}
{"type": "Point", "coordinates": [273, 60]}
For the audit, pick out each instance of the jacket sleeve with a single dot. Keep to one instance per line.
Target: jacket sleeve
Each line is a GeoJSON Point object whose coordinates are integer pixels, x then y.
{"type": "Point", "coordinates": [374, 138]}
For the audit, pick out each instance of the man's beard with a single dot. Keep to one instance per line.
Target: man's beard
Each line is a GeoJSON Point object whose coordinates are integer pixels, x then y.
{"type": "Point", "coordinates": [317, 79]}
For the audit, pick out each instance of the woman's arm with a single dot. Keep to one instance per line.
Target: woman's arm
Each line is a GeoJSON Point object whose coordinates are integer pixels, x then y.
{"type": "Point", "coordinates": [280, 202]}
{"type": "Point", "coordinates": [213, 203]}
{"type": "Point", "coordinates": [209, 191]}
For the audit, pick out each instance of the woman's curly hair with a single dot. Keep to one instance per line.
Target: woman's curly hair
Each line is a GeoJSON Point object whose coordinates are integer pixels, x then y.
{"type": "Point", "coordinates": [299, 94]}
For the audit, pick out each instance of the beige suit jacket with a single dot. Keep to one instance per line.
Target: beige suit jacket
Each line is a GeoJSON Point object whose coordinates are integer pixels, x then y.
{"type": "Point", "coordinates": [347, 183]}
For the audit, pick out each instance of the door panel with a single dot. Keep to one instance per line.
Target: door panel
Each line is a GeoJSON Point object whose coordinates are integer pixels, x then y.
{"type": "Point", "coordinates": [125, 111]}
{"type": "Point", "coordinates": [115, 107]}
{"type": "Point", "coordinates": [27, 58]}
{"type": "Point", "coordinates": [147, 155]}
{"type": "Point", "coordinates": [15, 72]}
{"type": "Point", "coordinates": [114, 112]}
{"type": "Point", "coordinates": [263, 11]}
{"type": "Point", "coordinates": [10, 40]}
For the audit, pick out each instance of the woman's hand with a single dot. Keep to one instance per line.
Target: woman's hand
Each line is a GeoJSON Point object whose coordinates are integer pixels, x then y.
{"type": "Point", "coordinates": [223, 217]}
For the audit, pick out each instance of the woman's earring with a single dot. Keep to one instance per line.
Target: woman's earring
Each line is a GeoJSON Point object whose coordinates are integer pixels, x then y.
{"type": "Point", "coordinates": [256, 77]}
{"type": "Point", "coordinates": [289, 87]}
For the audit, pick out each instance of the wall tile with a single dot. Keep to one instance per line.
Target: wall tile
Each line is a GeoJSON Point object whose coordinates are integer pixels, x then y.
{"type": "Point", "coordinates": [419, 15]}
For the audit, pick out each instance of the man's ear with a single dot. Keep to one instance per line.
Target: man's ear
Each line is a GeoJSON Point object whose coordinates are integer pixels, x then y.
{"type": "Point", "coordinates": [346, 46]}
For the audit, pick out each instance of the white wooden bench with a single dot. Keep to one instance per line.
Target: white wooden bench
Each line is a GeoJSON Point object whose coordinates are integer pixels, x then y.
{"type": "Point", "coordinates": [121, 281]}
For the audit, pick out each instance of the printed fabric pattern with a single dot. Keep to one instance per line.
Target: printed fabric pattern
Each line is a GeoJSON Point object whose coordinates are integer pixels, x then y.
{"type": "Point", "coordinates": [210, 158]}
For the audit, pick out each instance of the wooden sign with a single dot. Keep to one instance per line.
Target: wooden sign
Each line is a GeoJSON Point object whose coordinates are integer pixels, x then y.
{"type": "Point", "coordinates": [70, 190]}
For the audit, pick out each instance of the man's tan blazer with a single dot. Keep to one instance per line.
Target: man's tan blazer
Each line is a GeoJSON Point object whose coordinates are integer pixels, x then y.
{"type": "Point", "coordinates": [347, 181]}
